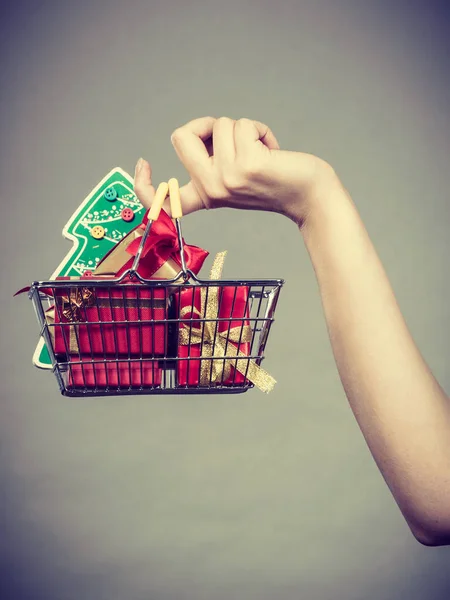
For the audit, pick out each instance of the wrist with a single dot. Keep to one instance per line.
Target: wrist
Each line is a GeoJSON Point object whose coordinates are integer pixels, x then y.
{"type": "Point", "coordinates": [333, 225]}
{"type": "Point", "coordinates": [311, 185]}
{"type": "Point", "coordinates": [324, 195]}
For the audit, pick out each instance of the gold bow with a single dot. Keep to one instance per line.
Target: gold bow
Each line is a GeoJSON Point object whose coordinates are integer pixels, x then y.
{"type": "Point", "coordinates": [210, 339]}
{"type": "Point", "coordinates": [75, 301]}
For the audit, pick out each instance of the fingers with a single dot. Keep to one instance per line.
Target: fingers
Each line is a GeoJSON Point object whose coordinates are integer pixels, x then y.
{"type": "Point", "coordinates": [247, 133]}
{"type": "Point", "coordinates": [189, 144]}
{"type": "Point", "coordinates": [192, 142]}
{"type": "Point", "coordinates": [266, 136]}
{"type": "Point", "coordinates": [203, 127]}
{"type": "Point", "coordinates": [223, 141]}
{"type": "Point", "coordinates": [143, 187]}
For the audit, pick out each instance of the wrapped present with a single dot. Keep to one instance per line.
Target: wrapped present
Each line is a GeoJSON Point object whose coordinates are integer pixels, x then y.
{"type": "Point", "coordinates": [121, 320]}
{"type": "Point", "coordinates": [235, 329]}
{"type": "Point", "coordinates": [214, 323]}
{"type": "Point", "coordinates": [110, 375]}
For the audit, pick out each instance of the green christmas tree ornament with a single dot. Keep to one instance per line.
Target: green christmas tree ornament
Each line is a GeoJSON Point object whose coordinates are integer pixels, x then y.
{"type": "Point", "coordinates": [106, 215]}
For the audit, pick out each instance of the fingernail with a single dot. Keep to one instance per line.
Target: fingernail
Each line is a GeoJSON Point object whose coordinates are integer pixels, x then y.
{"type": "Point", "coordinates": [139, 166]}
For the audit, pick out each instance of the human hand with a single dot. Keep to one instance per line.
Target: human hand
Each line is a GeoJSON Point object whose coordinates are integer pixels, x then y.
{"type": "Point", "coordinates": [239, 164]}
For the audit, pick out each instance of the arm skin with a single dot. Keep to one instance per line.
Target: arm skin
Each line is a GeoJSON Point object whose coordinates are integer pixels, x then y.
{"type": "Point", "coordinates": [402, 411]}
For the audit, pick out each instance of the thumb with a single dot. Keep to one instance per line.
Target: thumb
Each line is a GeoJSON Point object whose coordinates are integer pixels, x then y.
{"type": "Point", "coordinates": [190, 199]}
{"type": "Point", "coordinates": [145, 191]}
{"type": "Point", "coordinates": [143, 187]}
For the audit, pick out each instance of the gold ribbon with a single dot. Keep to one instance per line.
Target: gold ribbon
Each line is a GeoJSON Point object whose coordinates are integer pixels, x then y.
{"type": "Point", "coordinates": [74, 301]}
{"type": "Point", "coordinates": [211, 339]}
{"type": "Point", "coordinates": [73, 339]}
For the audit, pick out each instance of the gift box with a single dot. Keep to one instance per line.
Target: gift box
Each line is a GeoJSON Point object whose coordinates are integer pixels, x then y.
{"type": "Point", "coordinates": [116, 321]}
{"type": "Point", "coordinates": [118, 375]}
{"type": "Point", "coordinates": [214, 323]}
{"type": "Point", "coordinates": [199, 341]}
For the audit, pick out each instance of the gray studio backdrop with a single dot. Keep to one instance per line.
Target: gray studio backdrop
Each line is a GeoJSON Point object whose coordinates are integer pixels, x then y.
{"type": "Point", "coordinates": [217, 498]}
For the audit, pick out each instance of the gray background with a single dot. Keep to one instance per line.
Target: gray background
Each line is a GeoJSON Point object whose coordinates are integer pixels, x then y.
{"type": "Point", "coordinates": [217, 498]}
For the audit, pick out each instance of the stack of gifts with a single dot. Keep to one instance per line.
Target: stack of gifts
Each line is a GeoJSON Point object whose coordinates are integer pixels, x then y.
{"type": "Point", "coordinates": [124, 333]}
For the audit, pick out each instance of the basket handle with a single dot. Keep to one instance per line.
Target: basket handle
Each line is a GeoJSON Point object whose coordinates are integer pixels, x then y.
{"type": "Point", "coordinates": [175, 200]}
{"type": "Point", "coordinates": [153, 215]}
{"type": "Point", "coordinates": [158, 201]}
{"type": "Point", "coordinates": [177, 213]}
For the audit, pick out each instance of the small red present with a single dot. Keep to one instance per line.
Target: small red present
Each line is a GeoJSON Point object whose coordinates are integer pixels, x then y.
{"type": "Point", "coordinates": [116, 321]}
{"type": "Point", "coordinates": [199, 340]}
{"type": "Point", "coordinates": [215, 323]}
{"type": "Point", "coordinates": [119, 375]}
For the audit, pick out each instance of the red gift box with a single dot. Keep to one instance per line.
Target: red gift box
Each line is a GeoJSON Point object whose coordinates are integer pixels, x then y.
{"type": "Point", "coordinates": [120, 320]}
{"type": "Point", "coordinates": [134, 374]}
{"type": "Point", "coordinates": [232, 306]}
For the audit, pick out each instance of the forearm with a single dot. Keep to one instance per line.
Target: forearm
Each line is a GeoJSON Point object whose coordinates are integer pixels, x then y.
{"type": "Point", "coordinates": [402, 411]}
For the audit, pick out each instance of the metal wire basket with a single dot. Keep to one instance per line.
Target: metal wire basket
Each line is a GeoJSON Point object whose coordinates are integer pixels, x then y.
{"type": "Point", "coordinates": [131, 335]}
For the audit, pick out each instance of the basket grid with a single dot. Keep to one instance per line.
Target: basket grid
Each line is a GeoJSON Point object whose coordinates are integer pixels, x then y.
{"type": "Point", "coordinates": [88, 324]}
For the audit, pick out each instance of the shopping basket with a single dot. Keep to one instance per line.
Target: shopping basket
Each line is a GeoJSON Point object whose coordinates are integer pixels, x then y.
{"type": "Point", "coordinates": [129, 335]}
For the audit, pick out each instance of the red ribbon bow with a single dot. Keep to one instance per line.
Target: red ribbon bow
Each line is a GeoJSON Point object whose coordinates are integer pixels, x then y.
{"type": "Point", "coordinates": [160, 246]}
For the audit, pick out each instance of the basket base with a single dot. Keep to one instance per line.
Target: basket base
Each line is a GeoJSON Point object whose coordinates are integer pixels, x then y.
{"type": "Point", "coordinates": [130, 378]}
{"type": "Point", "coordinates": [77, 393]}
